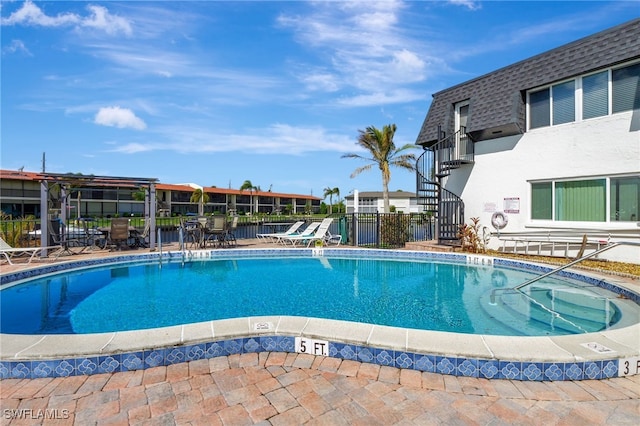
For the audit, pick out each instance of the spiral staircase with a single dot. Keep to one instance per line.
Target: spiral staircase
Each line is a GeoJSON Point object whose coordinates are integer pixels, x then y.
{"type": "Point", "coordinates": [432, 168]}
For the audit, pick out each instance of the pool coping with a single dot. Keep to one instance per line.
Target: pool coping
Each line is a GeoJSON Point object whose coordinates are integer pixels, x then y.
{"type": "Point", "coordinates": [611, 353]}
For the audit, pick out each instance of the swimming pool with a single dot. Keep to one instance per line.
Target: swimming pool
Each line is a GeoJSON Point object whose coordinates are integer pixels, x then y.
{"type": "Point", "coordinates": [543, 357]}
{"type": "Point", "coordinates": [418, 294]}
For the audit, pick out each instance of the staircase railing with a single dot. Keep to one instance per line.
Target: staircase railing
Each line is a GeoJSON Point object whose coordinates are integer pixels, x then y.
{"type": "Point", "coordinates": [452, 151]}
{"type": "Point", "coordinates": [450, 217]}
{"type": "Point", "coordinates": [426, 185]}
{"type": "Point", "coordinates": [447, 207]}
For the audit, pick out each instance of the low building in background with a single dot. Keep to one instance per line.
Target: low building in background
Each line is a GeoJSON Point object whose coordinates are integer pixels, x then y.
{"type": "Point", "coordinates": [20, 197]}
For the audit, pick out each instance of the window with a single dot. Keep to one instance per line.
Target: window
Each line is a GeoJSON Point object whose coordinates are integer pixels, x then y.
{"type": "Point", "coordinates": [539, 108]}
{"type": "Point", "coordinates": [595, 95]}
{"type": "Point", "coordinates": [555, 105]}
{"type": "Point", "coordinates": [541, 201]}
{"type": "Point", "coordinates": [626, 89]}
{"type": "Point", "coordinates": [586, 200]}
{"type": "Point", "coordinates": [559, 98]}
{"type": "Point", "coordinates": [625, 194]}
{"type": "Point", "coordinates": [583, 201]}
{"type": "Point", "coordinates": [564, 102]}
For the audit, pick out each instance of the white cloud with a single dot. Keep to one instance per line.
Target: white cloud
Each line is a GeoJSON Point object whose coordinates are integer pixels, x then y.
{"type": "Point", "coordinates": [119, 117]}
{"type": "Point", "coordinates": [320, 81]}
{"type": "Point", "coordinates": [99, 18]}
{"type": "Point", "coordinates": [399, 96]}
{"type": "Point", "coordinates": [30, 14]}
{"type": "Point", "coordinates": [17, 46]}
{"type": "Point", "coordinates": [134, 148]}
{"type": "Point", "coordinates": [364, 46]}
{"type": "Point", "coordinates": [276, 138]}
{"type": "Point", "coordinates": [469, 4]}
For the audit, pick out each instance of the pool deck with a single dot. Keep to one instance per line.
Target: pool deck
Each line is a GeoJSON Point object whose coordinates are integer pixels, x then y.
{"type": "Point", "coordinates": [292, 389]}
{"type": "Point", "coordinates": [289, 388]}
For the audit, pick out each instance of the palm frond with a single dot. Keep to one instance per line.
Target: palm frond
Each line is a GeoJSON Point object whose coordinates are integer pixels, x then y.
{"type": "Point", "coordinates": [359, 170]}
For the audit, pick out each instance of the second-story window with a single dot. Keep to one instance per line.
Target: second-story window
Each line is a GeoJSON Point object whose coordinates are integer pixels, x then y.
{"type": "Point", "coordinates": [539, 108]}
{"type": "Point", "coordinates": [595, 95]}
{"type": "Point", "coordinates": [564, 102]}
{"type": "Point", "coordinates": [626, 88]}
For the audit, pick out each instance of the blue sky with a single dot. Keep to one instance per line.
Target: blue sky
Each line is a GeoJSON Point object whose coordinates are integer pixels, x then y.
{"type": "Point", "coordinates": [273, 92]}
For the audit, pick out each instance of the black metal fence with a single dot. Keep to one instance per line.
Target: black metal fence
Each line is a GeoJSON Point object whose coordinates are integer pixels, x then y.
{"type": "Point", "coordinates": [380, 230]}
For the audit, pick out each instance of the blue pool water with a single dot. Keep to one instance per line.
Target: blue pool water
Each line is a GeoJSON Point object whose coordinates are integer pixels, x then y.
{"type": "Point", "coordinates": [410, 294]}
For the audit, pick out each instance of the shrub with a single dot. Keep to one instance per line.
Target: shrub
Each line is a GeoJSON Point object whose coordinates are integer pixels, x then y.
{"type": "Point", "coordinates": [474, 239]}
{"type": "Point", "coordinates": [394, 229]}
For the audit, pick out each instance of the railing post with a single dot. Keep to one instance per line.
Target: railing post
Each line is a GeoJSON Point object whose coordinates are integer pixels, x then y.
{"type": "Point", "coordinates": [356, 203]}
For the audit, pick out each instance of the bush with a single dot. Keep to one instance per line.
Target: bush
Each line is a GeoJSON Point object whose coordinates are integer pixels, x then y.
{"type": "Point", "coordinates": [394, 230]}
{"type": "Point", "coordinates": [470, 237]}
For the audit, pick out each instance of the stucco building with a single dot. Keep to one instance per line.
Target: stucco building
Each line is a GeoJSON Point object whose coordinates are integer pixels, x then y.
{"type": "Point", "coordinates": [551, 143]}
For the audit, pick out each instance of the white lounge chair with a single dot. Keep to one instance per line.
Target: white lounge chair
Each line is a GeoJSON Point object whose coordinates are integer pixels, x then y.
{"type": "Point", "coordinates": [293, 229]}
{"type": "Point", "coordinates": [318, 235]}
{"type": "Point", "coordinates": [10, 252]}
{"type": "Point", "coordinates": [307, 232]}
{"type": "Point", "coordinates": [332, 239]}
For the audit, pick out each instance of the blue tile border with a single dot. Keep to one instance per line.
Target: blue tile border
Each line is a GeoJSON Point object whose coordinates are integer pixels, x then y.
{"type": "Point", "coordinates": [447, 365]}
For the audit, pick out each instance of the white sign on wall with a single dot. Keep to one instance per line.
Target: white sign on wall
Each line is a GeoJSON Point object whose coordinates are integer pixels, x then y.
{"type": "Point", "coordinates": [490, 207]}
{"type": "Point", "coordinates": [512, 205]}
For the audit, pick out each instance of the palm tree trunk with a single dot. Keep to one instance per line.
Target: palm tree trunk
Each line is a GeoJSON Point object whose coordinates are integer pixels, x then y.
{"type": "Point", "coordinates": [385, 194]}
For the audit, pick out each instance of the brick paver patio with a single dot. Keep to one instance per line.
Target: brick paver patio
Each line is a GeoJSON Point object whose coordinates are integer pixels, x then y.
{"type": "Point", "coordinates": [289, 389]}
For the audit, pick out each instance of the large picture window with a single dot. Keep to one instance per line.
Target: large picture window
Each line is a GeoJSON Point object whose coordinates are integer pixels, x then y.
{"type": "Point", "coordinates": [580, 201]}
{"type": "Point", "coordinates": [586, 200]}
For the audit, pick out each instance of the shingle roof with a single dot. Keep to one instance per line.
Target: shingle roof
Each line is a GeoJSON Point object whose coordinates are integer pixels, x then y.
{"type": "Point", "coordinates": [497, 100]}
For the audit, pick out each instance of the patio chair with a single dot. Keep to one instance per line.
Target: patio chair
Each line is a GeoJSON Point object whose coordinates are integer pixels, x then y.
{"type": "Point", "coordinates": [60, 237]}
{"type": "Point", "coordinates": [319, 234]}
{"type": "Point", "coordinates": [95, 239]}
{"type": "Point", "coordinates": [11, 252]}
{"type": "Point", "coordinates": [119, 233]}
{"type": "Point", "coordinates": [229, 235]}
{"type": "Point", "coordinates": [140, 238]}
{"type": "Point", "coordinates": [332, 239]}
{"type": "Point", "coordinates": [214, 230]}
{"type": "Point", "coordinates": [191, 232]}
{"type": "Point", "coordinates": [293, 229]}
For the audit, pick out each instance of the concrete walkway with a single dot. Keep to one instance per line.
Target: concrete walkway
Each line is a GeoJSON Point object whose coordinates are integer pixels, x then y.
{"type": "Point", "coordinates": [293, 389]}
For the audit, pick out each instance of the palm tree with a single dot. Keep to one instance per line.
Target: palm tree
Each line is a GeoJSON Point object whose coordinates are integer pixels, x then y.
{"type": "Point", "coordinates": [380, 145]}
{"type": "Point", "coordinates": [251, 187]}
{"type": "Point", "coordinates": [330, 192]}
{"type": "Point", "coordinates": [200, 197]}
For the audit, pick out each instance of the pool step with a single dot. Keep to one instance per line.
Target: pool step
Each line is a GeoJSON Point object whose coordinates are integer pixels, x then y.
{"type": "Point", "coordinates": [573, 317]}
